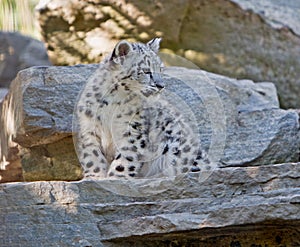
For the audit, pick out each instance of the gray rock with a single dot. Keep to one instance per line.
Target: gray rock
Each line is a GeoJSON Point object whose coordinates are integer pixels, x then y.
{"type": "Point", "coordinates": [279, 14]}
{"type": "Point", "coordinates": [238, 119]}
{"type": "Point", "coordinates": [3, 92]}
{"type": "Point", "coordinates": [37, 119]}
{"type": "Point", "coordinates": [245, 206]}
{"type": "Point", "coordinates": [18, 52]}
{"type": "Point", "coordinates": [239, 122]}
{"type": "Point", "coordinates": [253, 39]}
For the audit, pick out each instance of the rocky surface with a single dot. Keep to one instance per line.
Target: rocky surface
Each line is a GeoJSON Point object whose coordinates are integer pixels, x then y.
{"type": "Point", "coordinates": [279, 14]}
{"type": "Point", "coordinates": [257, 39]}
{"type": "Point", "coordinates": [250, 197]}
{"type": "Point", "coordinates": [3, 92]}
{"type": "Point", "coordinates": [239, 122]}
{"type": "Point", "coordinates": [18, 52]}
{"type": "Point", "coordinates": [246, 206]}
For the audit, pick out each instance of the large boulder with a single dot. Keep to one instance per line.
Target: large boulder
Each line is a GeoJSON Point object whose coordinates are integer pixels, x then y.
{"type": "Point", "coordinates": [245, 206]}
{"type": "Point", "coordinates": [239, 122]}
{"type": "Point", "coordinates": [257, 39]}
{"type": "Point", "coordinates": [18, 52]}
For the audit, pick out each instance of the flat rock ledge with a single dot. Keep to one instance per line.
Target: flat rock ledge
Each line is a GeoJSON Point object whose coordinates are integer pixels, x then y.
{"type": "Point", "coordinates": [245, 206]}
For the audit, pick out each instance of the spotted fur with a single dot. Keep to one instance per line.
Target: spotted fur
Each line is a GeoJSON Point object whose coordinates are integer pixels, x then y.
{"type": "Point", "coordinates": [126, 129]}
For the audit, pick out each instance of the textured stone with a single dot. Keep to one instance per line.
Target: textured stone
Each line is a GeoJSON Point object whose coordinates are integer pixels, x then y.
{"type": "Point", "coordinates": [253, 39]}
{"type": "Point", "coordinates": [239, 122]}
{"type": "Point", "coordinates": [239, 114]}
{"type": "Point", "coordinates": [37, 119]}
{"type": "Point", "coordinates": [245, 206]}
{"type": "Point", "coordinates": [18, 52]}
{"type": "Point", "coordinates": [279, 14]}
{"type": "Point", "coordinates": [3, 92]}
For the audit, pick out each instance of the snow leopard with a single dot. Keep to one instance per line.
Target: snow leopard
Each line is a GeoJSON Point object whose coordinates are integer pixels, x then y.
{"type": "Point", "coordinates": [126, 129]}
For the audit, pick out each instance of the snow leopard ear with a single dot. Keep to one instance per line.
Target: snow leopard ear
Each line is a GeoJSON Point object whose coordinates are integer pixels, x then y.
{"type": "Point", "coordinates": [154, 44]}
{"type": "Point", "coordinates": [121, 49]}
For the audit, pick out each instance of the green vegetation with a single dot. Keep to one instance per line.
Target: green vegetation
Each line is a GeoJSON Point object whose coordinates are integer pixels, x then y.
{"type": "Point", "coordinates": [18, 15]}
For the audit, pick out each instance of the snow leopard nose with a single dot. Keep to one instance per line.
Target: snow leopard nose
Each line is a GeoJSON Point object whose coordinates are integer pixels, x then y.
{"type": "Point", "coordinates": [159, 85]}
{"type": "Point", "coordinates": [158, 81]}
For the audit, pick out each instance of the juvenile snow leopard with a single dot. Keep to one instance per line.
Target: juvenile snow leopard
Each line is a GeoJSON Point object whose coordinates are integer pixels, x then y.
{"type": "Point", "coordinates": [126, 129]}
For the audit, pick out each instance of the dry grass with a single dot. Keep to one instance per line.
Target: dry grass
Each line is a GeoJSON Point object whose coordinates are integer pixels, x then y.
{"type": "Point", "coordinates": [18, 15]}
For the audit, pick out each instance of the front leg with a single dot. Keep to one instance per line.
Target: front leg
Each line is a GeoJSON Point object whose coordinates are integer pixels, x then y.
{"type": "Point", "coordinates": [123, 168]}
{"type": "Point", "coordinates": [91, 158]}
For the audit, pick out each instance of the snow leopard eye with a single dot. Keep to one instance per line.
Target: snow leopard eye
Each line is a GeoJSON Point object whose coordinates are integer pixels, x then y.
{"type": "Point", "coordinates": [147, 71]}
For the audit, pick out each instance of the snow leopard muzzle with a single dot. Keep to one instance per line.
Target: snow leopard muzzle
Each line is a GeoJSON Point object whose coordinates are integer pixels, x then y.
{"type": "Point", "coordinates": [158, 81]}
